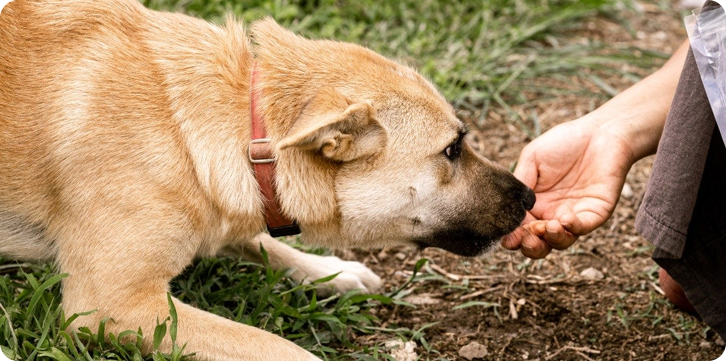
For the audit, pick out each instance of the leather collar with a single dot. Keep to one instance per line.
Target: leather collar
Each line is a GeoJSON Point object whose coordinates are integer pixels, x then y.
{"type": "Point", "coordinates": [263, 163]}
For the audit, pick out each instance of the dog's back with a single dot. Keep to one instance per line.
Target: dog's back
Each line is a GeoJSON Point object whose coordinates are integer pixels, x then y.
{"type": "Point", "coordinates": [49, 63]}
{"type": "Point", "coordinates": [92, 112]}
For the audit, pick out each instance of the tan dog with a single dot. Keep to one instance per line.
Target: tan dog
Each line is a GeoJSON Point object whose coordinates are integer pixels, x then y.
{"type": "Point", "coordinates": [123, 156]}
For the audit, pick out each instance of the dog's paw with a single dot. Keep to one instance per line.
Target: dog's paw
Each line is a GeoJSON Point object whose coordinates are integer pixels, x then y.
{"type": "Point", "coordinates": [351, 275]}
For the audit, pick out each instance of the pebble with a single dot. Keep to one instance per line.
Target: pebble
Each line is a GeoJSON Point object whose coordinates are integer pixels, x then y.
{"type": "Point", "coordinates": [627, 191]}
{"type": "Point", "coordinates": [592, 274]}
{"type": "Point", "coordinates": [402, 351]}
{"type": "Point", "coordinates": [473, 350]}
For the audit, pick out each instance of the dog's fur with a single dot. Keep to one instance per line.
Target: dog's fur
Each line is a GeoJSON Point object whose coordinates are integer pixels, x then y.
{"type": "Point", "coordinates": [123, 139]}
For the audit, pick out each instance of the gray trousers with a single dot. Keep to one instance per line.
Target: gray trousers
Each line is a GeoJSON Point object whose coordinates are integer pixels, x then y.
{"type": "Point", "coordinates": [683, 212]}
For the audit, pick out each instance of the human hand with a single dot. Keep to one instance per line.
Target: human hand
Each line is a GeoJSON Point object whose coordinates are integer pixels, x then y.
{"type": "Point", "coordinates": [577, 171]}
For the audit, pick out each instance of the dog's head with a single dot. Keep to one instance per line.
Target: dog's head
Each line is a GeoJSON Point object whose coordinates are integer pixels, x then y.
{"type": "Point", "coordinates": [370, 152]}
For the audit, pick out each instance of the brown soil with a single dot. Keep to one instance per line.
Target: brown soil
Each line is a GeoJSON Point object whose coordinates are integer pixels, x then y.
{"type": "Point", "coordinates": [545, 310]}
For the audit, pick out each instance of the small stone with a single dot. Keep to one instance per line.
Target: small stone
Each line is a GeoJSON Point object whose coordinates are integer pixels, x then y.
{"type": "Point", "coordinates": [473, 350]}
{"type": "Point", "coordinates": [592, 274]}
{"type": "Point", "coordinates": [627, 191]}
{"type": "Point", "coordinates": [402, 351]}
{"type": "Point", "coordinates": [401, 256]}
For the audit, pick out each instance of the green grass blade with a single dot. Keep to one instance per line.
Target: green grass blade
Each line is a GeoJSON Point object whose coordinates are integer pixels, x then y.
{"type": "Point", "coordinates": [40, 290]}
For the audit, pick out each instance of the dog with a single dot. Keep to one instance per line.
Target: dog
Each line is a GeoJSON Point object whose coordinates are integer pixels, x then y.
{"type": "Point", "coordinates": [127, 151]}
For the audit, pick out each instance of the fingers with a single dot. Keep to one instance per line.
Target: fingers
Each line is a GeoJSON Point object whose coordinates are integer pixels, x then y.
{"type": "Point", "coordinates": [533, 247]}
{"type": "Point", "coordinates": [527, 239]}
{"type": "Point", "coordinates": [557, 236]}
{"type": "Point", "coordinates": [513, 241]}
{"type": "Point", "coordinates": [537, 238]}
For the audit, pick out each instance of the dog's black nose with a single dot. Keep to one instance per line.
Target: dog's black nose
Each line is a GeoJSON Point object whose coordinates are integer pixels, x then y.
{"type": "Point", "coordinates": [528, 198]}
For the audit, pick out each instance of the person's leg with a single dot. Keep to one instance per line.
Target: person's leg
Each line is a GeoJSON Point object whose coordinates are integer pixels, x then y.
{"type": "Point", "coordinates": [674, 292]}
{"type": "Point", "coordinates": [684, 209]}
{"type": "Point", "coordinates": [701, 270]}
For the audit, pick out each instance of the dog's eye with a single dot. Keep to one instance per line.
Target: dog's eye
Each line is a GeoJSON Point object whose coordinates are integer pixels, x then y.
{"type": "Point", "coordinates": [453, 151]}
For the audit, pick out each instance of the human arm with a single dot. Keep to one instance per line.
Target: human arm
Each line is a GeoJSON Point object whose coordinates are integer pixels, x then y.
{"type": "Point", "coordinates": [578, 168]}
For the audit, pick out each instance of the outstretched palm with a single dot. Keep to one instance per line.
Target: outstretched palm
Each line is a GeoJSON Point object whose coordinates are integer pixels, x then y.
{"type": "Point", "coordinates": [577, 173]}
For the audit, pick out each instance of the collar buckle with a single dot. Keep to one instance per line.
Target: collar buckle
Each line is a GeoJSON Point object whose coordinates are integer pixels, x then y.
{"type": "Point", "coordinates": [260, 152]}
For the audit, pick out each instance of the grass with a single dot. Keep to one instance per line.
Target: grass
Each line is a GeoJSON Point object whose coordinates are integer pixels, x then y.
{"type": "Point", "coordinates": [481, 54]}
{"type": "Point", "coordinates": [32, 323]}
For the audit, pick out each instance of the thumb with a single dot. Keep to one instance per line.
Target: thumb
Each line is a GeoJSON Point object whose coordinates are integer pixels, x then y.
{"type": "Point", "coordinates": [526, 170]}
{"type": "Point", "coordinates": [582, 223]}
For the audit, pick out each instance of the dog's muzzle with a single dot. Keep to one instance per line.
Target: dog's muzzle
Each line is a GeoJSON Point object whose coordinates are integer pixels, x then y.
{"type": "Point", "coordinates": [528, 199]}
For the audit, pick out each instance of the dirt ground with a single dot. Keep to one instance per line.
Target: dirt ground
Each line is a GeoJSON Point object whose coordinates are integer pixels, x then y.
{"type": "Point", "coordinates": [547, 310]}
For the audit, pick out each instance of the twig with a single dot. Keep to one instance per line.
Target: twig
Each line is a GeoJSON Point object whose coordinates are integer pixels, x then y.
{"type": "Point", "coordinates": [543, 281]}
{"type": "Point", "coordinates": [578, 350]}
{"type": "Point", "coordinates": [481, 292]}
{"type": "Point", "coordinates": [659, 337]}
{"type": "Point", "coordinates": [444, 272]}
{"type": "Point", "coordinates": [455, 277]}
{"type": "Point", "coordinates": [584, 356]}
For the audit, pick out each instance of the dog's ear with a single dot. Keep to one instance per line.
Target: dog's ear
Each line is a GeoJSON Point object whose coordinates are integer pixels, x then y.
{"type": "Point", "coordinates": [337, 128]}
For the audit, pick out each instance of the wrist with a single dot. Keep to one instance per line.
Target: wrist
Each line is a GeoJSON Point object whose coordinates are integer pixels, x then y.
{"type": "Point", "coordinates": [639, 133]}
{"type": "Point", "coordinates": [631, 134]}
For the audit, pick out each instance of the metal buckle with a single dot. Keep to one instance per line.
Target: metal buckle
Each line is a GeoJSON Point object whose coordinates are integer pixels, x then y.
{"type": "Point", "coordinates": [271, 159]}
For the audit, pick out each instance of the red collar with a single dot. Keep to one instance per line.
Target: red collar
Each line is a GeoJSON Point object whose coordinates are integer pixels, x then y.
{"type": "Point", "coordinates": [263, 163]}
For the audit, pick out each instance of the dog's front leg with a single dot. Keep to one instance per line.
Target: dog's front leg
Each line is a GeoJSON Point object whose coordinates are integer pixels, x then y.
{"type": "Point", "coordinates": [125, 275]}
{"type": "Point", "coordinates": [209, 336]}
{"type": "Point", "coordinates": [310, 267]}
